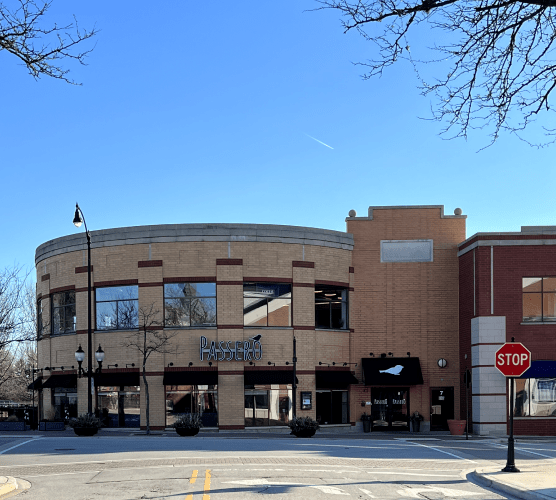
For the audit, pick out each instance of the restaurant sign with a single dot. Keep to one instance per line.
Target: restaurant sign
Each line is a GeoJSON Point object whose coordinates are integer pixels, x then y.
{"type": "Point", "coordinates": [229, 350]}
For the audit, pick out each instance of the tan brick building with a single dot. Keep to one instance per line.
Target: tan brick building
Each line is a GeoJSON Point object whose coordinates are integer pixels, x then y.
{"type": "Point", "coordinates": [231, 298]}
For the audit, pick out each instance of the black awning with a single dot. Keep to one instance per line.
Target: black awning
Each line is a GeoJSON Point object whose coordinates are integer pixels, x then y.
{"type": "Point", "coordinates": [331, 379]}
{"type": "Point", "coordinates": [191, 377]}
{"type": "Point", "coordinates": [119, 379]}
{"type": "Point", "coordinates": [35, 385]}
{"type": "Point", "coordinates": [65, 381]}
{"type": "Point", "coordinates": [541, 369]}
{"type": "Point", "coordinates": [264, 377]}
{"type": "Point", "coordinates": [392, 371]}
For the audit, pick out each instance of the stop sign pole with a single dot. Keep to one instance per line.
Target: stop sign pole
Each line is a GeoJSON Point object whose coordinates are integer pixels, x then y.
{"type": "Point", "coordinates": [513, 359]}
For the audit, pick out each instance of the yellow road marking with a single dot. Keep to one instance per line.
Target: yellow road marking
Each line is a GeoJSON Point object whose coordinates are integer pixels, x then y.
{"type": "Point", "coordinates": [193, 476]}
{"type": "Point", "coordinates": [206, 496]}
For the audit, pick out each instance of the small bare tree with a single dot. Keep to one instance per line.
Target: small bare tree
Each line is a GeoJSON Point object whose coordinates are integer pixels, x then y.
{"type": "Point", "coordinates": [150, 338]}
{"type": "Point", "coordinates": [41, 46]}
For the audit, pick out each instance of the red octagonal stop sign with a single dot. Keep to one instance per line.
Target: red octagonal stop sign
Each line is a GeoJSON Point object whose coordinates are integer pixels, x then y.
{"type": "Point", "coordinates": [513, 359]}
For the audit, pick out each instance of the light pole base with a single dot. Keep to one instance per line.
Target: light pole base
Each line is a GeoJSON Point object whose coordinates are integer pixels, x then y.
{"type": "Point", "coordinates": [510, 468]}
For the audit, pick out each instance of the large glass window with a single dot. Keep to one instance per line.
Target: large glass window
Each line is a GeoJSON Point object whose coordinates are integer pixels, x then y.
{"type": "Point", "coordinates": [120, 406]}
{"type": "Point", "coordinates": [331, 307]}
{"type": "Point", "coordinates": [63, 312]}
{"type": "Point", "coordinates": [267, 304]}
{"type": "Point", "coordinates": [332, 406]}
{"type": "Point", "coordinates": [117, 308]}
{"type": "Point", "coordinates": [190, 304]}
{"type": "Point", "coordinates": [535, 397]}
{"type": "Point", "coordinates": [539, 299]}
{"type": "Point", "coordinates": [39, 319]}
{"type": "Point", "coordinates": [268, 405]}
{"type": "Point", "coordinates": [200, 399]}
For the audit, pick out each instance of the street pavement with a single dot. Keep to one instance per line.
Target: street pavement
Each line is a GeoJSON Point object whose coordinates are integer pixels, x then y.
{"type": "Point", "coordinates": [124, 465]}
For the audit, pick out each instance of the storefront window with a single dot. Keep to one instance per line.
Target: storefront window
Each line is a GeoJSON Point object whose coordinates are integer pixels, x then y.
{"type": "Point", "coordinates": [201, 399]}
{"type": "Point", "coordinates": [332, 407]}
{"type": "Point", "coordinates": [189, 304]}
{"type": "Point", "coordinates": [331, 307]}
{"type": "Point", "coordinates": [120, 406]}
{"type": "Point", "coordinates": [535, 397]}
{"type": "Point", "coordinates": [268, 405]}
{"type": "Point", "coordinates": [117, 308]}
{"type": "Point", "coordinates": [267, 304]}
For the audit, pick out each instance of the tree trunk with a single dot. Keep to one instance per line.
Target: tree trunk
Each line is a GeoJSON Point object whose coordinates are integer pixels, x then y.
{"type": "Point", "coordinates": [145, 383]}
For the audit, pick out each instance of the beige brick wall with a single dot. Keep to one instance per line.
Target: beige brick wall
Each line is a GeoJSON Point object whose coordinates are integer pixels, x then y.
{"type": "Point", "coordinates": [408, 307]}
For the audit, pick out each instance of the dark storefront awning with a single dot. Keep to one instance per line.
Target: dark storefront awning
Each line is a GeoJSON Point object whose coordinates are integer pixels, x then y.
{"type": "Point", "coordinates": [66, 381]}
{"type": "Point", "coordinates": [392, 371]}
{"type": "Point", "coordinates": [541, 369]}
{"type": "Point", "coordinates": [119, 379]}
{"type": "Point", "coordinates": [330, 379]}
{"type": "Point", "coordinates": [191, 378]}
{"type": "Point", "coordinates": [264, 377]}
{"type": "Point", "coordinates": [36, 385]}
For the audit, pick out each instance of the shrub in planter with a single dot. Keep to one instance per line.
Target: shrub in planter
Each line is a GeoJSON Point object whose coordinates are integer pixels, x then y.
{"type": "Point", "coordinates": [303, 426]}
{"type": "Point", "coordinates": [85, 425]}
{"type": "Point", "coordinates": [188, 424]}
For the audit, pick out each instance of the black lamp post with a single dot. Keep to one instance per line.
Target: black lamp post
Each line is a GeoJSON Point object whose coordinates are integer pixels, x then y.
{"type": "Point", "coordinates": [79, 219]}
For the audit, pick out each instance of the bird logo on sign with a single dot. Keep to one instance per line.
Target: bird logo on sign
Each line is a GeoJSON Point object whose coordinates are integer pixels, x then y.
{"type": "Point", "coordinates": [395, 370]}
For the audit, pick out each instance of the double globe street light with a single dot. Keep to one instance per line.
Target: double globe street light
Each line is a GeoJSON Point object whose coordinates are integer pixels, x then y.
{"type": "Point", "coordinates": [79, 219]}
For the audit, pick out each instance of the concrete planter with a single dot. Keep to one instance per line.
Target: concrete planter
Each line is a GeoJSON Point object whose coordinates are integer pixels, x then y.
{"type": "Point", "coordinates": [12, 426]}
{"type": "Point", "coordinates": [457, 427]}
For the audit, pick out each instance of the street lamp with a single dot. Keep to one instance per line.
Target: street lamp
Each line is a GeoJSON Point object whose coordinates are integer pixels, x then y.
{"type": "Point", "coordinates": [79, 219]}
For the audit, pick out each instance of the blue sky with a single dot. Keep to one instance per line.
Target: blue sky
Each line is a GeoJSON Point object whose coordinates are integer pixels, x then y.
{"type": "Point", "coordinates": [189, 113]}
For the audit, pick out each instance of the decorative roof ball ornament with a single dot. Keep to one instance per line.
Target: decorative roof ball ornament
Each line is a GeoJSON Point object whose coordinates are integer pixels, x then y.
{"type": "Point", "coordinates": [352, 213]}
{"type": "Point", "coordinates": [458, 211]}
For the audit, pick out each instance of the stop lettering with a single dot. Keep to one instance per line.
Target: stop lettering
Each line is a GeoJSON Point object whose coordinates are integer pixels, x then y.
{"type": "Point", "coordinates": [513, 359]}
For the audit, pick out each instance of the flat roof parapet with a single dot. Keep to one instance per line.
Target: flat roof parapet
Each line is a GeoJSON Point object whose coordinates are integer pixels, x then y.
{"type": "Point", "coordinates": [168, 233]}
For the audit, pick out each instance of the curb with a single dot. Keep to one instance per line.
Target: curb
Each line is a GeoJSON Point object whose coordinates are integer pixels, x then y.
{"type": "Point", "coordinates": [516, 491]}
{"type": "Point", "coordinates": [8, 484]}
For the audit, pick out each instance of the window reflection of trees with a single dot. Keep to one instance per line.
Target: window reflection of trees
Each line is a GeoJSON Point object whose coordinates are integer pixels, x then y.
{"type": "Point", "coordinates": [117, 308]}
{"type": "Point", "coordinates": [190, 304]}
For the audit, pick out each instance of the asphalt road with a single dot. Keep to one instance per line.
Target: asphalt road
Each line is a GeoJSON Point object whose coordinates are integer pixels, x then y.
{"type": "Point", "coordinates": [205, 468]}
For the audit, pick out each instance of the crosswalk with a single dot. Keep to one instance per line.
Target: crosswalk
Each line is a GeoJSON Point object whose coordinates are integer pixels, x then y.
{"type": "Point", "coordinates": [244, 483]}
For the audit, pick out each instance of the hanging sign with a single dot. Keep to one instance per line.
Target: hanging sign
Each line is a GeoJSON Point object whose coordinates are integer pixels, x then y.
{"type": "Point", "coordinates": [229, 350]}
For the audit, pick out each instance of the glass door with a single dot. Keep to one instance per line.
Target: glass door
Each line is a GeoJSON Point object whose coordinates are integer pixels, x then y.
{"type": "Point", "coordinates": [389, 409]}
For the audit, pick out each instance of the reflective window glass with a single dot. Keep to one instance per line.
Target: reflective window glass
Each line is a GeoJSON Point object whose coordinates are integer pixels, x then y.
{"type": "Point", "coordinates": [117, 308]}
{"type": "Point", "coordinates": [531, 284]}
{"type": "Point", "coordinates": [266, 304]}
{"type": "Point", "coordinates": [539, 299]}
{"type": "Point", "coordinates": [532, 307]}
{"type": "Point", "coordinates": [190, 304]}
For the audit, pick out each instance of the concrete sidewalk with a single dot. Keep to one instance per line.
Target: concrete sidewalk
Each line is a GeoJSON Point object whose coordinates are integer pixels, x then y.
{"type": "Point", "coordinates": [534, 482]}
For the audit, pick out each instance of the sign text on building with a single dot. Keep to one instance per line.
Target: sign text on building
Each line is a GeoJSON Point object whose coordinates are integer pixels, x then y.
{"type": "Point", "coordinates": [228, 350]}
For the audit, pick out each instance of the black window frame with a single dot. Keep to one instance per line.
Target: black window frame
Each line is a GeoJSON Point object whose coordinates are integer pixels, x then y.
{"type": "Point", "coordinates": [117, 301]}
{"type": "Point", "coordinates": [63, 308]}
{"type": "Point", "coordinates": [320, 299]}
{"type": "Point", "coordinates": [543, 318]}
{"type": "Point", "coordinates": [252, 294]}
{"type": "Point", "coordinates": [185, 297]}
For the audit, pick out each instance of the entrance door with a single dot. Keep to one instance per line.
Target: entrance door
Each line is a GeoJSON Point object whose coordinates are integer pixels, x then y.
{"type": "Point", "coordinates": [442, 407]}
{"type": "Point", "coordinates": [389, 409]}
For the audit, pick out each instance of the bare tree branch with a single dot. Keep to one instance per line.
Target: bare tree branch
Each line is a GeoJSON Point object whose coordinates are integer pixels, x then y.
{"type": "Point", "coordinates": [500, 54]}
{"type": "Point", "coordinates": [41, 48]}
{"type": "Point", "coordinates": [150, 338]}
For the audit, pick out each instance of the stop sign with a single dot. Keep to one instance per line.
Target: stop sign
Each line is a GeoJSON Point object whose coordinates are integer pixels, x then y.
{"type": "Point", "coordinates": [513, 359]}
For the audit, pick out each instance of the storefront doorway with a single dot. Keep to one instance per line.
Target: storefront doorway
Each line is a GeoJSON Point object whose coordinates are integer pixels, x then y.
{"type": "Point", "coordinates": [442, 407]}
{"type": "Point", "coordinates": [119, 406]}
{"type": "Point", "coordinates": [332, 407]}
{"type": "Point", "coordinates": [389, 409]}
